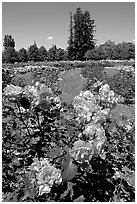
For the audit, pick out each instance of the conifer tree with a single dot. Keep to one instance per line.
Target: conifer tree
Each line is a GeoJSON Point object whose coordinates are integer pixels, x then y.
{"type": "Point", "coordinates": [33, 52]}
{"type": "Point", "coordinates": [8, 42]}
{"type": "Point", "coordinates": [42, 53]}
{"type": "Point", "coordinates": [81, 34]}
{"type": "Point", "coordinates": [71, 40]}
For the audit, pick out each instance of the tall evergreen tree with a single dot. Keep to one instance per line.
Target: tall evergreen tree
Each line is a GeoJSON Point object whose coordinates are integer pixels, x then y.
{"type": "Point", "coordinates": [52, 53]}
{"type": "Point", "coordinates": [9, 55]}
{"type": "Point", "coordinates": [33, 52]}
{"type": "Point", "coordinates": [81, 34]}
{"type": "Point", "coordinates": [42, 53]}
{"type": "Point", "coordinates": [71, 40]}
{"type": "Point", "coordinates": [60, 54]}
{"type": "Point", "coordinates": [78, 37]}
{"type": "Point", "coordinates": [22, 55]}
{"type": "Point", "coordinates": [88, 33]}
{"type": "Point", "coordinates": [8, 42]}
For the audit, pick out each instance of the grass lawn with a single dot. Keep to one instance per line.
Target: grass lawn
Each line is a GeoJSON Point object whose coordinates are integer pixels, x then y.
{"type": "Point", "coordinates": [71, 85]}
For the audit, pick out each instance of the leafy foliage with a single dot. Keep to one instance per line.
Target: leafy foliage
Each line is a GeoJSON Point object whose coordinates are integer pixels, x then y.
{"type": "Point", "coordinates": [121, 81]}
{"type": "Point", "coordinates": [111, 50]}
{"type": "Point", "coordinates": [8, 42]}
{"type": "Point", "coordinates": [55, 152]}
{"type": "Point", "coordinates": [22, 55]}
{"type": "Point", "coordinates": [42, 53]}
{"type": "Point", "coordinates": [81, 34]}
{"type": "Point", "coordinates": [52, 53]}
{"type": "Point", "coordinates": [9, 55]}
{"type": "Point", "coordinates": [33, 52]}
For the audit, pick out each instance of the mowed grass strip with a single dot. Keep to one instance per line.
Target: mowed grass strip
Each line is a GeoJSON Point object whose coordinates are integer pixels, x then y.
{"type": "Point", "coordinates": [71, 85]}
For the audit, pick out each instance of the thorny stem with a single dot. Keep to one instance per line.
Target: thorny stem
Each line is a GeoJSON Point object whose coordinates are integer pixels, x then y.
{"type": "Point", "coordinates": [39, 123]}
{"type": "Point", "coordinates": [23, 120]}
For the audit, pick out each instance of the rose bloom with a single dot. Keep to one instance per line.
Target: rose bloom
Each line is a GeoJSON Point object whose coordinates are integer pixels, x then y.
{"type": "Point", "coordinates": [95, 131]}
{"type": "Point", "coordinates": [87, 95]}
{"type": "Point", "coordinates": [57, 101]}
{"type": "Point", "coordinates": [100, 139]}
{"type": "Point", "coordinates": [104, 92]}
{"type": "Point", "coordinates": [32, 94]}
{"type": "Point", "coordinates": [46, 175]}
{"type": "Point", "coordinates": [101, 115]}
{"type": "Point", "coordinates": [11, 90]}
{"type": "Point", "coordinates": [85, 105]}
{"type": "Point", "coordinates": [82, 150]}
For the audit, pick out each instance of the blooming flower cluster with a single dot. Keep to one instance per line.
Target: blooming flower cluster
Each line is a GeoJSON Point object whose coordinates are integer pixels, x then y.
{"type": "Point", "coordinates": [11, 90]}
{"type": "Point", "coordinates": [46, 175]}
{"type": "Point", "coordinates": [82, 151]}
{"type": "Point", "coordinates": [93, 112]}
{"type": "Point", "coordinates": [107, 96]}
{"type": "Point", "coordinates": [37, 94]}
{"type": "Point", "coordinates": [85, 106]}
{"type": "Point", "coordinates": [31, 94]}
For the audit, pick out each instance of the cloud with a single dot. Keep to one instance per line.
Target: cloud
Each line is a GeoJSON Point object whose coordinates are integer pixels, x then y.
{"type": "Point", "coordinates": [50, 38]}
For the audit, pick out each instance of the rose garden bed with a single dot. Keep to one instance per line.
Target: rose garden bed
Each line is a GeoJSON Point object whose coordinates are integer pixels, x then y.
{"type": "Point", "coordinates": [80, 150]}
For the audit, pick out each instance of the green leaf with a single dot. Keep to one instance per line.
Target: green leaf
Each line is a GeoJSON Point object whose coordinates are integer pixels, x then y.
{"type": "Point", "coordinates": [7, 119]}
{"type": "Point", "coordinates": [79, 199]}
{"type": "Point", "coordinates": [16, 162]}
{"type": "Point", "coordinates": [70, 169]}
{"type": "Point", "coordinates": [34, 140]}
{"type": "Point", "coordinates": [26, 195]}
{"type": "Point", "coordinates": [45, 105]}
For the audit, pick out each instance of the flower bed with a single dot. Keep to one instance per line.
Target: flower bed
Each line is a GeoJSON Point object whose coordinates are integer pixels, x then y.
{"type": "Point", "coordinates": [54, 152]}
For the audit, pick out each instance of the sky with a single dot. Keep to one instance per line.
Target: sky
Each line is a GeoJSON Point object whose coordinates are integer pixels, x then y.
{"type": "Point", "coordinates": [47, 23]}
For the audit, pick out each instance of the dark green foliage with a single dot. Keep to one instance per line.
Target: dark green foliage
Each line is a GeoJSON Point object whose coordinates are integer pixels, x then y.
{"type": "Point", "coordinates": [81, 35]}
{"type": "Point", "coordinates": [110, 178]}
{"type": "Point", "coordinates": [93, 71]}
{"type": "Point", "coordinates": [88, 33]}
{"type": "Point", "coordinates": [22, 55]}
{"type": "Point", "coordinates": [33, 52]}
{"type": "Point", "coordinates": [9, 55]}
{"type": "Point", "coordinates": [6, 79]}
{"type": "Point", "coordinates": [42, 53]}
{"type": "Point", "coordinates": [123, 84]}
{"type": "Point", "coordinates": [71, 40]}
{"type": "Point", "coordinates": [61, 54]}
{"type": "Point", "coordinates": [97, 54]}
{"type": "Point", "coordinates": [52, 53]}
{"type": "Point", "coordinates": [110, 50]}
{"type": "Point", "coordinates": [22, 79]}
{"type": "Point", "coordinates": [8, 42]}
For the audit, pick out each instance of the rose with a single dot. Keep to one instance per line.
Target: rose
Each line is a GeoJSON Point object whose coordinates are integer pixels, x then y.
{"type": "Point", "coordinates": [46, 175]}
{"type": "Point", "coordinates": [11, 90]}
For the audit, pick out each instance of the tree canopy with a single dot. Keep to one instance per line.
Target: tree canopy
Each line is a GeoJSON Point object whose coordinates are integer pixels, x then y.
{"type": "Point", "coordinates": [81, 34]}
{"type": "Point", "coordinates": [81, 45]}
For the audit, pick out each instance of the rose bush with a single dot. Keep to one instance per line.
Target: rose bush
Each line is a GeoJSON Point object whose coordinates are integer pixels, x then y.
{"type": "Point", "coordinates": [52, 152]}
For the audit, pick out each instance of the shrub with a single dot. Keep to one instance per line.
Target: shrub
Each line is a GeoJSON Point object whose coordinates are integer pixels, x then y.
{"type": "Point", "coordinates": [22, 79]}
{"type": "Point", "coordinates": [123, 83]}
{"type": "Point", "coordinates": [53, 152]}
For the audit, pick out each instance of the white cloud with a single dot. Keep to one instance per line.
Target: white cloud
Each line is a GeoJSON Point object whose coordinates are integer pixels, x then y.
{"type": "Point", "coordinates": [50, 38]}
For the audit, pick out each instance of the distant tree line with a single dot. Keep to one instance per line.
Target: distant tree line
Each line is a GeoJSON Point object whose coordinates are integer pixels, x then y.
{"type": "Point", "coordinates": [35, 54]}
{"type": "Point", "coordinates": [81, 45]}
{"type": "Point", "coordinates": [113, 51]}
